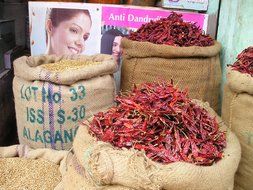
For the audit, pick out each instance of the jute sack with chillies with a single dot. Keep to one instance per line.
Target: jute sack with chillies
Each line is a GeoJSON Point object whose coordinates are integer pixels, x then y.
{"type": "Point", "coordinates": [105, 165]}
{"type": "Point", "coordinates": [158, 138]}
{"type": "Point", "coordinates": [237, 113]}
{"type": "Point", "coordinates": [172, 48]}
{"type": "Point", "coordinates": [53, 93]}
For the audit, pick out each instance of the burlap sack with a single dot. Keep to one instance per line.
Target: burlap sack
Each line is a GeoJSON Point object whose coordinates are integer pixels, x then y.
{"type": "Point", "coordinates": [237, 113]}
{"type": "Point", "coordinates": [75, 178]}
{"type": "Point", "coordinates": [197, 68]}
{"type": "Point", "coordinates": [50, 104]}
{"type": "Point", "coordinates": [107, 165]}
{"type": "Point", "coordinates": [24, 151]}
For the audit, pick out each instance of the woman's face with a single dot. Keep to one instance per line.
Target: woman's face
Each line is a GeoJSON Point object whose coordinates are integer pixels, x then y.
{"type": "Point", "coordinates": [116, 49]}
{"type": "Point", "coordinates": [69, 36]}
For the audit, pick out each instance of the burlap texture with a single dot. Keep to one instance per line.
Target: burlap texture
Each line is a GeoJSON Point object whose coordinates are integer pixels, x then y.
{"type": "Point", "coordinates": [29, 68]}
{"type": "Point", "coordinates": [239, 82]}
{"type": "Point", "coordinates": [237, 114]}
{"type": "Point", "coordinates": [24, 151]}
{"type": "Point", "coordinates": [197, 68]}
{"type": "Point", "coordinates": [75, 178]}
{"type": "Point", "coordinates": [131, 168]}
{"type": "Point", "coordinates": [47, 110]}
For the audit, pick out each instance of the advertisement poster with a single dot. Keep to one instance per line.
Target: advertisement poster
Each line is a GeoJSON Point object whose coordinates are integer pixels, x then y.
{"type": "Point", "coordinates": [85, 28]}
{"type": "Point", "coordinates": [64, 28]}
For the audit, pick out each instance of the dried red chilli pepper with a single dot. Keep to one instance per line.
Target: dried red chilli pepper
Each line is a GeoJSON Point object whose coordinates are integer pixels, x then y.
{"type": "Point", "coordinates": [172, 31]}
{"type": "Point", "coordinates": [244, 63]}
{"type": "Point", "coordinates": [162, 121]}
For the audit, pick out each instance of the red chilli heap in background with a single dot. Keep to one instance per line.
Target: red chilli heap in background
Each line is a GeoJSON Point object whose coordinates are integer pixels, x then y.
{"type": "Point", "coordinates": [162, 121]}
{"type": "Point", "coordinates": [244, 63]}
{"type": "Point", "coordinates": [172, 31]}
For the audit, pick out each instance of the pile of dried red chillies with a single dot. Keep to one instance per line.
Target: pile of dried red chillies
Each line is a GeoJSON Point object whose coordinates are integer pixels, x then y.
{"type": "Point", "coordinates": [172, 31]}
{"type": "Point", "coordinates": [162, 121]}
{"type": "Point", "coordinates": [244, 63]}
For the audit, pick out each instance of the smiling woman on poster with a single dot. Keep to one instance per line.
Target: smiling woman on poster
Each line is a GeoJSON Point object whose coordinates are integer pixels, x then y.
{"type": "Point", "coordinates": [110, 44]}
{"type": "Point", "coordinates": [67, 30]}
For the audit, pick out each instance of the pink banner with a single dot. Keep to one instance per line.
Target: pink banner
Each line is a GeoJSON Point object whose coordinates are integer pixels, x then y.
{"type": "Point", "coordinates": [134, 17]}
